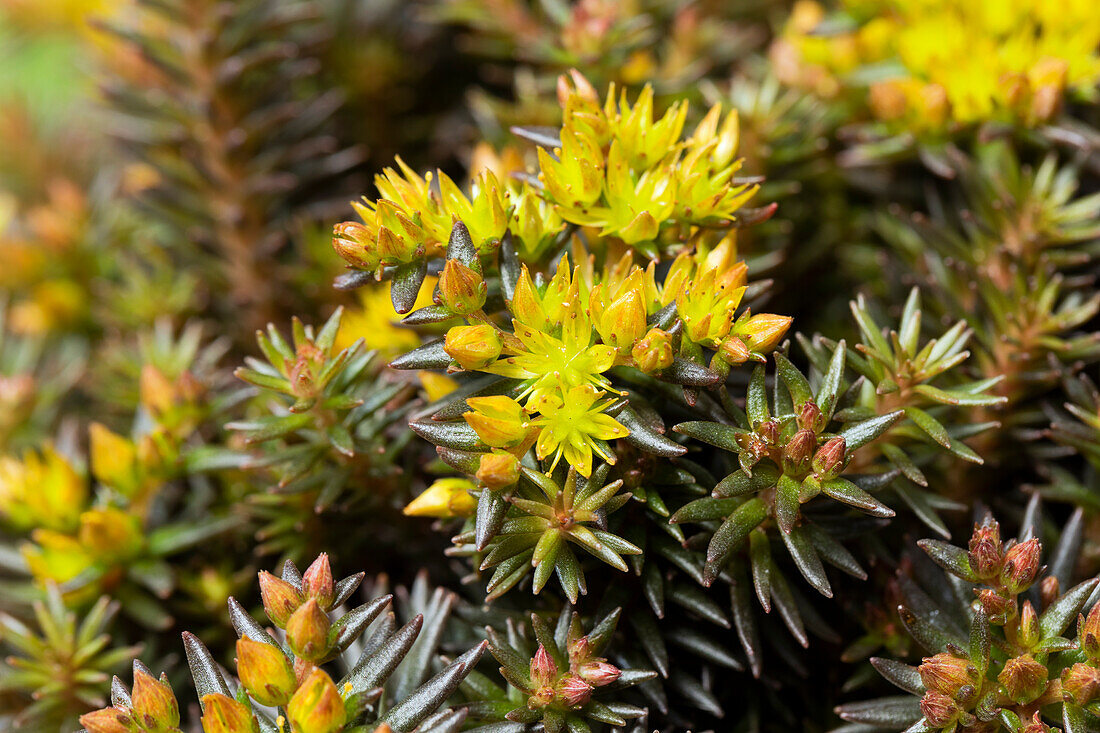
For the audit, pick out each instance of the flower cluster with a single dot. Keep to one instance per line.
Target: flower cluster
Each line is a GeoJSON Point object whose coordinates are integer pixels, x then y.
{"type": "Point", "coordinates": [945, 63]}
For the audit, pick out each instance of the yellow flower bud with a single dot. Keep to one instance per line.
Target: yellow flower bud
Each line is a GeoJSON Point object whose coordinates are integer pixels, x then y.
{"type": "Point", "coordinates": [307, 631]}
{"type": "Point", "coordinates": [654, 352]}
{"type": "Point", "coordinates": [500, 421]}
{"type": "Point", "coordinates": [317, 706]}
{"type": "Point", "coordinates": [265, 672]}
{"type": "Point", "coordinates": [623, 322]}
{"type": "Point", "coordinates": [473, 347]}
{"type": "Point", "coordinates": [223, 714]}
{"type": "Point", "coordinates": [109, 720]}
{"type": "Point", "coordinates": [498, 470]}
{"type": "Point", "coordinates": [280, 598]}
{"type": "Point", "coordinates": [763, 331]}
{"type": "Point", "coordinates": [445, 498]}
{"type": "Point", "coordinates": [317, 581]}
{"type": "Point", "coordinates": [461, 289]}
{"type": "Point", "coordinates": [113, 458]}
{"type": "Point", "coordinates": [153, 703]}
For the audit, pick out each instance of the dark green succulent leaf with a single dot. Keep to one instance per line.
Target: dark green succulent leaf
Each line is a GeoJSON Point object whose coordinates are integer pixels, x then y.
{"type": "Point", "coordinates": [764, 476]}
{"type": "Point", "coordinates": [372, 670]}
{"type": "Point", "coordinates": [954, 560]}
{"type": "Point", "coordinates": [1057, 617]}
{"type": "Point", "coordinates": [455, 434]}
{"type": "Point", "coordinates": [807, 560]}
{"type": "Point", "coordinates": [847, 492]}
{"type": "Point", "coordinates": [429, 356]}
{"type": "Point", "coordinates": [896, 712]}
{"type": "Point", "coordinates": [405, 287]}
{"type": "Point", "coordinates": [644, 437]}
{"type": "Point", "coordinates": [899, 674]}
{"type": "Point", "coordinates": [797, 385]}
{"type": "Point", "coordinates": [688, 373]}
{"type": "Point", "coordinates": [730, 535]}
{"type": "Point", "coordinates": [858, 435]}
{"type": "Point", "coordinates": [204, 670]}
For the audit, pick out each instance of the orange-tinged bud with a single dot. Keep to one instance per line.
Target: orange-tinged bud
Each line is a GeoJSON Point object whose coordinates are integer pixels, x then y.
{"type": "Point", "coordinates": [265, 672]}
{"type": "Point", "coordinates": [764, 331]}
{"type": "Point", "coordinates": [1023, 678]}
{"type": "Point", "coordinates": [109, 720]}
{"type": "Point", "coordinates": [544, 670]}
{"type": "Point", "coordinates": [1049, 590]}
{"type": "Point", "coordinates": [317, 581]}
{"type": "Point", "coordinates": [500, 421]}
{"type": "Point", "coordinates": [280, 598]}
{"type": "Point", "coordinates": [317, 706]}
{"type": "Point", "coordinates": [938, 709]}
{"type": "Point", "coordinates": [654, 352]}
{"type": "Point", "coordinates": [947, 673]}
{"type": "Point", "coordinates": [445, 498]}
{"type": "Point", "coordinates": [1021, 565]}
{"type": "Point", "coordinates": [473, 347]}
{"type": "Point", "coordinates": [498, 470]}
{"type": "Point", "coordinates": [1088, 633]}
{"type": "Point", "coordinates": [1081, 683]}
{"type": "Point", "coordinates": [829, 459]}
{"type": "Point", "coordinates": [574, 691]}
{"type": "Point", "coordinates": [307, 631]}
{"type": "Point", "coordinates": [999, 608]}
{"type": "Point", "coordinates": [152, 701]}
{"type": "Point", "coordinates": [734, 351]}
{"type": "Point", "coordinates": [985, 554]}
{"type": "Point", "coordinates": [888, 100]}
{"type": "Point", "coordinates": [461, 289]}
{"type": "Point", "coordinates": [223, 714]}
{"type": "Point", "coordinates": [354, 244]}
{"type": "Point", "coordinates": [599, 673]}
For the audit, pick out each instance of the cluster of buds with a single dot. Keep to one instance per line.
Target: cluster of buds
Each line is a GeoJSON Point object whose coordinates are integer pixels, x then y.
{"type": "Point", "coordinates": [1005, 570]}
{"type": "Point", "coordinates": [302, 611]}
{"type": "Point", "coordinates": [571, 687]}
{"type": "Point", "coordinates": [150, 707]}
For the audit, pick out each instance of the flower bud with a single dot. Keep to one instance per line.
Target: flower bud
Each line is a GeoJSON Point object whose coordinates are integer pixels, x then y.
{"type": "Point", "coordinates": [498, 470]}
{"type": "Point", "coordinates": [152, 701]}
{"type": "Point", "coordinates": [1049, 591]}
{"type": "Point", "coordinates": [598, 673]}
{"type": "Point", "coordinates": [499, 421]}
{"type": "Point", "coordinates": [1035, 725]}
{"type": "Point", "coordinates": [354, 243]}
{"type": "Point", "coordinates": [307, 631]}
{"type": "Point", "coordinates": [654, 352]}
{"type": "Point", "coordinates": [317, 706]}
{"type": "Point", "coordinates": [809, 415]}
{"type": "Point", "coordinates": [113, 459]}
{"type": "Point", "coordinates": [829, 459]}
{"type": "Point", "coordinates": [280, 598]}
{"type": "Point", "coordinates": [999, 608]}
{"type": "Point", "coordinates": [265, 672]}
{"type": "Point", "coordinates": [109, 720]}
{"type": "Point", "coordinates": [1023, 678]}
{"type": "Point", "coordinates": [985, 549]}
{"type": "Point", "coordinates": [317, 581]}
{"type": "Point", "coordinates": [734, 351]}
{"type": "Point", "coordinates": [544, 670]}
{"type": "Point", "coordinates": [473, 347]}
{"type": "Point", "coordinates": [574, 692]}
{"type": "Point", "coordinates": [622, 323]}
{"type": "Point", "coordinates": [1088, 633]}
{"type": "Point", "coordinates": [445, 498]}
{"type": "Point", "coordinates": [1021, 565]}
{"type": "Point", "coordinates": [223, 714]}
{"type": "Point", "coordinates": [947, 673]}
{"type": "Point", "coordinates": [461, 288]}
{"type": "Point", "coordinates": [938, 709]}
{"type": "Point", "coordinates": [768, 431]}
{"type": "Point", "coordinates": [764, 331]}
{"type": "Point", "coordinates": [1080, 684]}
{"type": "Point", "coordinates": [799, 452]}
{"type": "Point", "coordinates": [1028, 634]}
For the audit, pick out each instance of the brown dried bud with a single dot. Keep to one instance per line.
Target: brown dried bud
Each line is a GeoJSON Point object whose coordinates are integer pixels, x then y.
{"type": "Point", "coordinates": [574, 691]}
{"type": "Point", "coordinates": [947, 673]}
{"type": "Point", "coordinates": [317, 581]}
{"type": "Point", "coordinates": [938, 709]}
{"type": "Point", "coordinates": [829, 459]}
{"type": "Point", "coordinates": [1023, 678]}
{"type": "Point", "coordinates": [985, 549]}
{"type": "Point", "coordinates": [1035, 725]}
{"type": "Point", "coordinates": [999, 608]}
{"type": "Point", "coordinates": [1080, 683]}
{"type": "Point", "coordinates": [307, 631]}
{"type": "Point", "coordinates": [653, 353]}
{"type": "Point", "coordinates": [280, 598]}
{"type": "Point", "coordinates": [1021, 565]}
{"type": "Point", "coordinates": [799, 451]}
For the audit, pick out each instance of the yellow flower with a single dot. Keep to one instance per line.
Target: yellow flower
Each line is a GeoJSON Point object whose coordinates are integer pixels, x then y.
{"type": "Point", "coordinates": [41, 490]}
{"type": "Point", "coordinates": [575, 427]}
{"type": "Point", "coordinates": [445, 498]}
